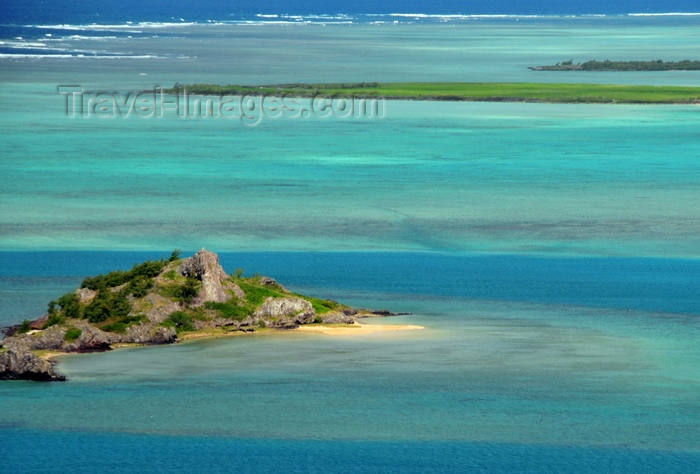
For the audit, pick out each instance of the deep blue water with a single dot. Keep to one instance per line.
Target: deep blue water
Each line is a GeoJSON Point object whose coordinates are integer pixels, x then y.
{"type": "Point", "coordinates": [634, 284]}
{"type": "Point", "coordinates": [128, 453]}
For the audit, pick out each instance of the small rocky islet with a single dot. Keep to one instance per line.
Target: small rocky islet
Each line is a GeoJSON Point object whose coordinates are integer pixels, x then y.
{"type": "Point", "coordinates": [157, 302]}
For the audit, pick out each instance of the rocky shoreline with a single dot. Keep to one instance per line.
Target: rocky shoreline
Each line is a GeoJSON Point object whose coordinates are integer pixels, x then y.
{"type": "Point", "coordinates": [183, 296]}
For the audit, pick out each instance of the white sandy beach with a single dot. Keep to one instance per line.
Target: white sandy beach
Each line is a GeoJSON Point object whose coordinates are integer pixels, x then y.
{"type": "Point", "coordinates": [358, 329]}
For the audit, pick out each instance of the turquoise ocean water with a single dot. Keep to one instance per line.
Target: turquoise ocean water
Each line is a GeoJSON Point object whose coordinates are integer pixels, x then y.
{"type": "Point", "coordinates": [549, 250]}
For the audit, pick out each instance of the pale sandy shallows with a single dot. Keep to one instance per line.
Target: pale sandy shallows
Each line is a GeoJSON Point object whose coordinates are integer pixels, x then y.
{"type": "Point", "coordinates": [358, 329]}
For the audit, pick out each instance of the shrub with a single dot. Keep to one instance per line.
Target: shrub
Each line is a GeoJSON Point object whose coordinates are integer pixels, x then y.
{"type": "Point", "coordinates": [107, 305]}
{"type": "Point", "coordinates": [182, 321]}
{"type": "Point", "coordinates": [92, 283]}
{"type": "Point", "coordinates": [119, 305]}
{"type": "Point", "coordinates": [149, 269]}
{"type": "Point", "coordinates": [118, 327]}
{"type": "Point", "coordinates": [70, 305]}
{"type": "Point", "coordinates": [110, 280]}
{"type": "Point", "coordinates": [139, 286]}
{"type": "Point", "coordinates": [115, 278]}
{"type": "Point", "coordinates": [24, 327]}
{"type": "Point", "coordinates": [97, 311]}
{"type": "Point", "coordinates": [72, 334]}
{"type": "Point", "coordinates": [188, 291]}
{"type": "Point", "coordinates": [53, 320]}
{"type": "Point", "coordinates": [122, 324]}
{"type": "Point", "coordinates": [175, 255]}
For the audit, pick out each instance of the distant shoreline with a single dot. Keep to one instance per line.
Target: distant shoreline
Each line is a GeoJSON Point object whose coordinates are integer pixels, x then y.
{"type": "Point", "coordinates": [622, 66]}
{"type": "Point", "coordinates": [556, 93]}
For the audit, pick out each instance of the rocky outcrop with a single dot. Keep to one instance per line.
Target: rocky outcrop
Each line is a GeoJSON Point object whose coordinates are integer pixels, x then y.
{"type": "Point", "coordinates": [149, 333]}
{"type": "Point", "coordinates": [51, 339]}
{"type": "Point", "coordinates": [160, 307]}
{"type": "Point", "coordinates": [18, 362]}
{"type": "Point", "coordinates": [245, 324]}
{"type": "Point", "coordinates": [216, 286]}
{"type": "Point", "coordinates": [22, 365]}
{"type": "Point", "coordinates": [39, 322]}
{"type": "Point", "coordinates": [267, 281]}
{"type": "Point", "coordinates": [336, 317]}
{"type": "Point", "coordinates": [86, 295]}
{"type": "Point", "coordinates": [233, 289]}
{"type": "Point", "coordinates": [91, 339]}
{"type": "Point", "coordinates": [286, 312]}
{"type": "Point", "coordinates": [161, 302]}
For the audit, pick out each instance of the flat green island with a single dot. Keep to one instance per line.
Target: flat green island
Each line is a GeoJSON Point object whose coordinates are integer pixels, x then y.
{"type": "Point", "coordinates": [607, 65]}
{"type": "Point", "coordinates": [462, 91]}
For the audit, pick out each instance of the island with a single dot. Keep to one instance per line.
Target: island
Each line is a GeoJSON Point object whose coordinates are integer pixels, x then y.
{"type": "Point", "coordinates": [457, 91]}
{"type": "Point", "coordinates": [163, 302]}
{"type": "Point", "coordinates": [607, 65]}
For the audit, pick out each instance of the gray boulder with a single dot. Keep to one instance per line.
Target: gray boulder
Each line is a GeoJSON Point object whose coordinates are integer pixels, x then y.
{"type": "Point", "coordinates": [336, 317]}
{"type": "Point", "coordinates": [216, 286]}
{"type": "Point", "coordinates": [91, 339]}
{"type": "Point", "coordinates": [26, 366]}
{"type": "Point", "coordinates": [149, 334]}
{"type": "Point", "coordinates": [50, 339]}
{"type": "Point", "coordinates": [86, 295]}
{"type": "Point", "coordinates": [160, 307]}
{"type": "Point", "coordinates": [286, 312]}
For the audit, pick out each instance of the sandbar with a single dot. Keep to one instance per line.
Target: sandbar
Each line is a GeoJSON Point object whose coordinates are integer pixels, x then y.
{"type": "Point", "coordinates": [357, 329]}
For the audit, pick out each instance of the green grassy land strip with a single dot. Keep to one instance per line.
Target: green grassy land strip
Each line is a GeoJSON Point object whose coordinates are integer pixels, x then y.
{"type": "Point", "coordinates": [466, 91]}
{"type": "Point", "coordinates": [607, 65]}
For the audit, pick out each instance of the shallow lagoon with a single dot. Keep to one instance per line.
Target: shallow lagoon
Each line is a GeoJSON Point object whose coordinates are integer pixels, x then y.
{"type": "Point", "coordinates": [514, 178]}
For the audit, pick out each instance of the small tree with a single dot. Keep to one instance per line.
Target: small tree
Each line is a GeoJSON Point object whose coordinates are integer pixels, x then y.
{"type": "Point", "coordinates": [70, 305]}
{"type": "Point", "coordinates": [139, 286]}
{"type": "Point", "coordinates": [120, 306]}
{"type": "Point", "coordinates": [188, 291]}
{"type": "Point", "coordinates": [24, 327]}
{"type": "Point", "coordinates": [182, 321]}
{"type": "Point", "coordinates": [97, 311]}
{"type": "Point", "coordinates": [53, 320]}
{"type": "Point", "coordinates": [175, 255]}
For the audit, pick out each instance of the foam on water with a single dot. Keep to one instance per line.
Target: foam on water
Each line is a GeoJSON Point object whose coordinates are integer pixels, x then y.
{"type": "Point", "coordinates": [479, 50]}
